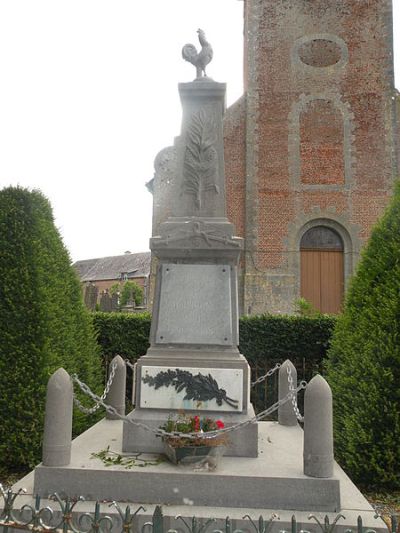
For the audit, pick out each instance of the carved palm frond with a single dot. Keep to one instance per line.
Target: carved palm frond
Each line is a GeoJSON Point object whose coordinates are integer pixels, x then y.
{"type": "Point", "coordinates": [198, 387]}
{"type": "Point", "coordinates": [200, 166]}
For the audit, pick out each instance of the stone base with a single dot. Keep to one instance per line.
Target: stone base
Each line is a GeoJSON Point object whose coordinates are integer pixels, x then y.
{"type": "Point", "coordinates": [272, 481]}
{"type": "Point", "coordinates": [154, 405]}
{"type": "Point", "coordinates": [242, 443]}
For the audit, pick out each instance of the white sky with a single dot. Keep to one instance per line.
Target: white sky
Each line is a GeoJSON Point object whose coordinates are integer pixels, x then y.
{"type": "Point", "coordinates": [88, 96]}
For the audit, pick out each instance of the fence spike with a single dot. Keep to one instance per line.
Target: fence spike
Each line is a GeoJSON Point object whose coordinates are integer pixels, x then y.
{"type": "Point", "coordinates": [158, 522]}
{"type": "Point", "coordinates": [293, 524]}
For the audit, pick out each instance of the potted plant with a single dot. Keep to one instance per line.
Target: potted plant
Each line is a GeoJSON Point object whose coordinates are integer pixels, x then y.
{"type": "Point", "coordinates": [201, 448]}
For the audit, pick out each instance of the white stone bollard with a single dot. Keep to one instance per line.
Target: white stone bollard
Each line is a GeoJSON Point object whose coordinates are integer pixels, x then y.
{"type": "Point", "coordinates": [58, 420]}
{"type": "Point", "coordinates": [116, 394]}
{"type": "Point", "coordinates": [318, 429]}
{"type": "Point", "coordinates": [286, 414]}
{"type": "Point", "coordinates": [134, 384]}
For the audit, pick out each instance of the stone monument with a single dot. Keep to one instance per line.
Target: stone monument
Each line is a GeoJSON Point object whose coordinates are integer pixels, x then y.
{"type": "Point", "coordinates": [194, 335]}
{"type": "Point", "coordinates": [194, 364]}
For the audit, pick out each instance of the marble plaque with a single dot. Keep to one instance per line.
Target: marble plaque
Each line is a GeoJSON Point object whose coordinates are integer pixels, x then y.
{"type": "Point", "coordinates": [195, 305]}
{"type": "Point", "coordinates": [216, 389]}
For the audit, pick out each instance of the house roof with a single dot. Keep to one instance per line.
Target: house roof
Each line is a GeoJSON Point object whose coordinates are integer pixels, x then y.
{"type": "Point", "coordinates": [133, 265]}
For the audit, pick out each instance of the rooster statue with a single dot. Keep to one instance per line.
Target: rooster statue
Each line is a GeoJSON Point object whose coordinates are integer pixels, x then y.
{"type": "Point", "coordinates": [199, 59]}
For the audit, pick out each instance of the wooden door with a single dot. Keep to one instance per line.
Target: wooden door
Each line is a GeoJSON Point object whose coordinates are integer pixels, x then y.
{"type": "Point", "coordinates": [322, 279]}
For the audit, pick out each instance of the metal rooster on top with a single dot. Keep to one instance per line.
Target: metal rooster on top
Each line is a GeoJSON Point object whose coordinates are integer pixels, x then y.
{"type": "Point", "coordinates": [199, 59]}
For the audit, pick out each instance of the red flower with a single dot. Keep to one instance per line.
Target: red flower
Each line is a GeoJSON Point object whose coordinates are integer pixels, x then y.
{"type": "Point", "coordinates": [220, 424]}
{"type": "Point", "coordinates": [196, 423]}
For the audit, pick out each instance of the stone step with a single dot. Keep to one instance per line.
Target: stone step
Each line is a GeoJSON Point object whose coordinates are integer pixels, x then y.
{"type": "Point", "coordinates": [273, 480]}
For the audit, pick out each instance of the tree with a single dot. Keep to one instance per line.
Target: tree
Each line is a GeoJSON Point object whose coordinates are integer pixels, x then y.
{"type": "Point", "coordinates": [43, 323]}
{"type": "Point", "coordinates": [363, 365]}
{"type": "Point", "coordinates": [131, 291]}
{"type": "Point", "coordinates": [128, 291]}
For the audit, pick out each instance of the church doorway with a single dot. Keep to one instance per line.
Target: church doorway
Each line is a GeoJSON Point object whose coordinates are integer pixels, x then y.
{"type": "Point", "coordinates": [322, 269]}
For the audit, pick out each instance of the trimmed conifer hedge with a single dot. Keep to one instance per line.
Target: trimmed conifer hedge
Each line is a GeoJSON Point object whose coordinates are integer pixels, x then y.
{"type": "Point", "coordinates": [264, 340]}
{"type": "Point", "coordinates": [363, 365]}
{"type": "Point", "coordinates": [43, 323]}
{"type": "Point", "coordinates": [274, 338]}
{"type": "Point", "coordinates": [124, 334]}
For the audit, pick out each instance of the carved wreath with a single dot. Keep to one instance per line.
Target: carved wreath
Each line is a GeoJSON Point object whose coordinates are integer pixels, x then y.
{"type": "Point", "coordinates": [200, 165]}
{"type": "Point", "coordinates": [198, 387]}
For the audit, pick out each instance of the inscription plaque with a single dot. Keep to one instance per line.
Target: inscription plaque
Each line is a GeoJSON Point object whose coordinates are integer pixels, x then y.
{"type": "Point", "coordinates": [165, 395]}
{"type": "Point", "coordinates": [195, 305]}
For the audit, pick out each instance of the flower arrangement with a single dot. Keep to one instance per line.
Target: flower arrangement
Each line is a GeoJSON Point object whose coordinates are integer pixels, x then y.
{"type": "Point", "coordinates": [193, 424]}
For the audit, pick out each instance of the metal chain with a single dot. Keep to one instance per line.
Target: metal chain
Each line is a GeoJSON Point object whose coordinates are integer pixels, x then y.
{"type": "Point", "coordinates": [91, 410]}
{"type": "Point", "coordinates": [131, 366]}
{"type": "Point", "coordinates": [253, 384]}
{"type": "Point", "coordinates": [292, 390]}
{"type": "Point", "coordinates": [208, 434]}
{"type": "Point", "coordinates": [265, 376]}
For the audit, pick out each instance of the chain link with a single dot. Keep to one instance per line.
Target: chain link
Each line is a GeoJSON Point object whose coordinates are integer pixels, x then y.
{"type": "Point", "coordinates": [265, 376]}
{"type": "Point", "coordinates": [99, 402]}
{"type": "Point", "coordinates": [131, 366]}
{"type": "Point", "coordinates": [253, 384]}
{"type": "Point", "coordinates": [292, 390]}
{"type": "Point", "coordinates": [91, 410]}
{"type": "Point", "coordinates": [209, 434]}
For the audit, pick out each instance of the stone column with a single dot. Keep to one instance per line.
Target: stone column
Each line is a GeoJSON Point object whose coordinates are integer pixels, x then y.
{"type": "Point", "coordinates": [116, 394]}
{"type": "Point", "coordinates": [318, 429]}
{"type": "Point", "coordinates": [195, 320]}
{"type": "Point", "coordinates": [58, 420]}
{"type": "Point", "coordinates": [286, 414]}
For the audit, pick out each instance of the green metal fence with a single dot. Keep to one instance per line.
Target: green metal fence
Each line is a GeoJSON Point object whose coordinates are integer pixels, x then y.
{"type": "Point", "coordinates": [65, 516]}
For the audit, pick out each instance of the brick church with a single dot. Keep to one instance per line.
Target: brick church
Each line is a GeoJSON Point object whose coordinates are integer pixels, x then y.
{"type": "Point", "coordinates": [311, 148]}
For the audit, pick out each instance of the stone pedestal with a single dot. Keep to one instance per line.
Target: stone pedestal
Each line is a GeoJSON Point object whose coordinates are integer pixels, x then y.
{"type": "Point", "coordinates": [194, 329]}
{"type": "Point", "coordinates": [194, 332]}
{"type": "Point", "coordinates": [273, 481]}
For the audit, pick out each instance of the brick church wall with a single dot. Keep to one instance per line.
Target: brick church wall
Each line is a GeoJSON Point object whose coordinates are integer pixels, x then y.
{"type": "Point", "coordinates": [313, 141]}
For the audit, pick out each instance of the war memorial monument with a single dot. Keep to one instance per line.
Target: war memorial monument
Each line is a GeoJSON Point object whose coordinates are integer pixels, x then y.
{"type": "Point", "coordinates": [193, 364]}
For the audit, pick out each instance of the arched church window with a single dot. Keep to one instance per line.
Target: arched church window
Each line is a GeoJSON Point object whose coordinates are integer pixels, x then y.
{"type": "Point", "coordinates": [321, 238]}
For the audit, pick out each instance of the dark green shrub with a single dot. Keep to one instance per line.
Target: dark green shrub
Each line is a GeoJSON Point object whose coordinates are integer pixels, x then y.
{"type": "Point", "coordinates": [264, 340]}
{"type": "Point", "coordinates": [363, 367]}
{"type": "Point", "coordinates": [43, 323]}
{"type": "Point", "coordinates": [278, 337]}
{"type": "Point", "coordinates": [122, 334]}
{"type": "Point", "coordinates": [269, 339]}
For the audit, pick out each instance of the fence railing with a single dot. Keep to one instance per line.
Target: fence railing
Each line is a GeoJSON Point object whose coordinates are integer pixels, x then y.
{"type": "Point", "coordinates": [65, 517]}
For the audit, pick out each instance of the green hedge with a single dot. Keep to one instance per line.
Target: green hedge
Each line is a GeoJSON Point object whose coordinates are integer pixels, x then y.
{"type": "Point", "coordinates": [363, 364]}
{"type": "Point", "coordinates": [276, 338]}
{"type": "Point", "coordinates": [123, 334]}
{"type": "Point", "coordinates": [43, 323]}
{"type": "Point", "coordinates": [269, 339]}
{"type": "Point", "coordinates": [264, 340]}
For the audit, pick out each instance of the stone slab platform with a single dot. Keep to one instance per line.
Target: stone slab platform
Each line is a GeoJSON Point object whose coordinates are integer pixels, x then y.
{"type": "Point", "coordinates": [272, 483]}
{"type": "Point", "coordinates": [274, 480]}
